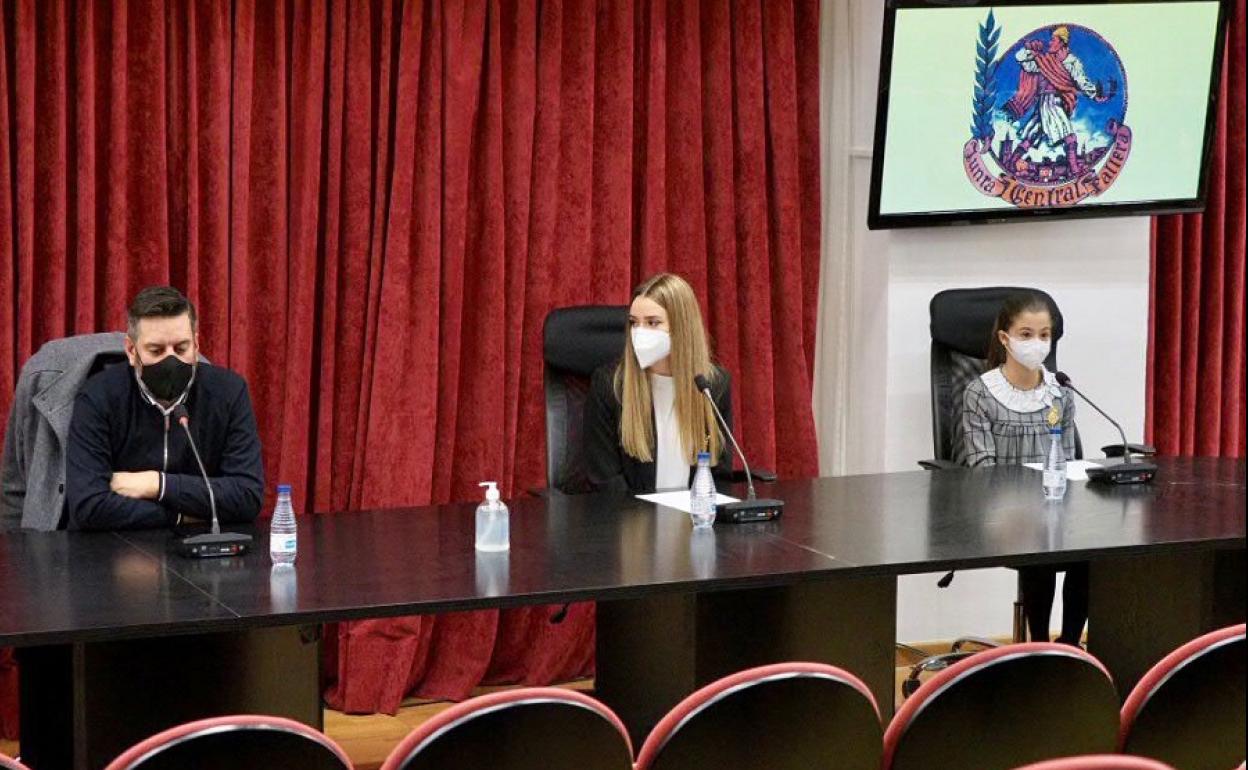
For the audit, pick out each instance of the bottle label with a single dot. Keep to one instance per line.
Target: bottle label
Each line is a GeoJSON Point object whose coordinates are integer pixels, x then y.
{"type": "Point", "coordinates": [1054, 478]}
{"type": "Point", "coordinates": [282, 544]}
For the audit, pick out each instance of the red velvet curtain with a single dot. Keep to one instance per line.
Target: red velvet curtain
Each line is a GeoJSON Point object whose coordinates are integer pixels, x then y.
{"type": "Point", "coordinates": [1196, 354]}
{"type": "Point", "coordinates": [375, 204]}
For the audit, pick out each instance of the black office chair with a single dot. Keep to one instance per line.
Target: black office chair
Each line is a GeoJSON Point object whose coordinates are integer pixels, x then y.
{"type": "Point", "coordinates": [576, 341]}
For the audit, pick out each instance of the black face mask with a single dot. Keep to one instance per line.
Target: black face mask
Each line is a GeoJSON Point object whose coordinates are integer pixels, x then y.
{"type": "Point", "coordinates": [168, 378]}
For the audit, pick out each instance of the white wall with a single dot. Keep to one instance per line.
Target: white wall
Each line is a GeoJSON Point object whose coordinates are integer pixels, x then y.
{"type": "Point", "coordinates": [872, 398]}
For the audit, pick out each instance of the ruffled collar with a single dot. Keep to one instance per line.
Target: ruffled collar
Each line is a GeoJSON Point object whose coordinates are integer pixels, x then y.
{"type": "Point", "coordinates": [1024, 401]}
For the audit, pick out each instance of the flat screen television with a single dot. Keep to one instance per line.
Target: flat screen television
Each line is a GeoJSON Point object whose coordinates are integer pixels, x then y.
{"type": "Point", "coordinates": [1004, 111]}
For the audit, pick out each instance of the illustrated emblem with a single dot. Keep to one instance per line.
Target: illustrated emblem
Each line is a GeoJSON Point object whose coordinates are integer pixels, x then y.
{"type": "Point", "coordinates": [1048, 123]}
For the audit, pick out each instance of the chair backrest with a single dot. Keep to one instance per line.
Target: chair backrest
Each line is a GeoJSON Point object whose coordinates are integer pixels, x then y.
{"type": "Point", "coordinates": [536, 728]}
{"type": "Point", "coordinates": [961, 325]}
{"type": "Point", "coordinates": [576, 341]}
{"type": "Point", "coordinates": [240, 742]}
{"type": "Point", "coordinates": [1005, 707]}
{"type": "Point", "coordinates": [8, 763]}
{"type": "Point", "coordinates": [1188, 709]}
{"type": "Point", "coordinates": [788, 716]}
{"type": "Point", "coordinates": [1100, 762]}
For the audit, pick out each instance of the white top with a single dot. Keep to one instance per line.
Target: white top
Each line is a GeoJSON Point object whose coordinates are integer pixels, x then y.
{"type": "Point", "coordinates": [671, 468]}
{"type": "Point", "coordinates": [1022, 401]}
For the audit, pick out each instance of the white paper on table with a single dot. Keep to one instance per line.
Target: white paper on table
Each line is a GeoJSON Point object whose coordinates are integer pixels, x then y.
{"type": "Point", "coordinates": [1076, 470]}
{"type": "Point", "coordinates": [679, 499]}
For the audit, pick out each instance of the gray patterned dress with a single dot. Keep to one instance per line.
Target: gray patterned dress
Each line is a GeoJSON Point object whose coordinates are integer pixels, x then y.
{"type": "Point", "coordinates": [990, 432]}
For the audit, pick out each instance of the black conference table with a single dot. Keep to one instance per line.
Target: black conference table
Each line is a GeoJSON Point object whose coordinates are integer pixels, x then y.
{"type": "Point", "coordinates": [117, 634]}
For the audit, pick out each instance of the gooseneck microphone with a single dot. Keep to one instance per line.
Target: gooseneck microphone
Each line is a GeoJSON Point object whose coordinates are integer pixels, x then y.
{"type": "Point", "coordinates": [1063, 379]}
{"type": "Point", "coordinates": [184, 419]}
{"type": "Point", "coordinates": [752, 508]}
{"type": "Point", "coordinates": [1129, 471]}
{"type": "Point", "coordinates": [214, 543]}
{"type": "Point", "coordinates": [705, 388]}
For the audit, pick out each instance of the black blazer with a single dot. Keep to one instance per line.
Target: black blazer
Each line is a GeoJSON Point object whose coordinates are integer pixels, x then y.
{"type": "Point", "coordinates": [607, 465]}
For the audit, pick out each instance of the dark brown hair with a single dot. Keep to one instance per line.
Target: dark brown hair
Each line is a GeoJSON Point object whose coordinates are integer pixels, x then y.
{"type": "Point", "coordinates": [158, 302]}
{"type": "Point", "coordinates": [1014, 306]}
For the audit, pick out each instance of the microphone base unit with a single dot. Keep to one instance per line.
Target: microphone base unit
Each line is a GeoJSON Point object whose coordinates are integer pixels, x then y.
{"type": "Point", "coordinates": [1123, 473]}
{"type": "Point", "coordinates": [210, 546]}
{"type": "Point", "coordinates": [747, 511]}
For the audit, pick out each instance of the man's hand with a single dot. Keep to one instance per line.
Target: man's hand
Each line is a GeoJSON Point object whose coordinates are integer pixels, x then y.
{"type": "Point", "coordinates": [144, 485]}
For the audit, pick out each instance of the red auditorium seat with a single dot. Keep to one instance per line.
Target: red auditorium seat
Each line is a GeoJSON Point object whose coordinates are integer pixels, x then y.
{"type": "Point", "coordinates": [243, 742]}
{"type": "Point", "coordinates": [788, 716]}
{"type": "Point", "coordinates": [1005, 707]}
{"type": "Point", "coordinates": [537, 728]}
{"type": "Point", "coordinates": [1100, 762]}
{"type": "Point", "coordinates": [1188, 709]}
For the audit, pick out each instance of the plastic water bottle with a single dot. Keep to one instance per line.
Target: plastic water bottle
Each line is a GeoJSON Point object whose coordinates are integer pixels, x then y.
{"type": "Point", "coordinates": [493, 525]}
{"type": "Point", "coordinates": [1055, 467]}
{"type": "Point", "coordinates": [282, 536]}
{"type": "Point", "coordinates": [702, 494]}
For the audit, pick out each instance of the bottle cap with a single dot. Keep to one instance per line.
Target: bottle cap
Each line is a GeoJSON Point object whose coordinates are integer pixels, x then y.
{"type": "Point", "coordinates": [283, 489]}
{"type": "Point", "coordinates": [491, 492]}
{"type": "Point", "coordinates": [704, 456]}
{"type": "Point", "coordinates": [1056, 430]}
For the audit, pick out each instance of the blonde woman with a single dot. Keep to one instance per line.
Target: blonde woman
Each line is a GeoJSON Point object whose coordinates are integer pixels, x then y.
{"type": "Point", "coordinates": [645, 421]}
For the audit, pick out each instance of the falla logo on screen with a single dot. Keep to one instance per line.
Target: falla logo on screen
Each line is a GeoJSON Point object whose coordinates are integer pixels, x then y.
{"type": "Point", "coordinates": [1048, 116]}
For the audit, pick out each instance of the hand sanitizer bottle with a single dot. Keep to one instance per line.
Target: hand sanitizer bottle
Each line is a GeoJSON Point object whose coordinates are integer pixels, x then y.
{"type": "Point", "coordinates": [493, 529]}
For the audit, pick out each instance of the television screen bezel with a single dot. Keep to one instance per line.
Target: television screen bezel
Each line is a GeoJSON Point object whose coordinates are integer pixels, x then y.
{"type": "Point", "coordinates": [878, 221]}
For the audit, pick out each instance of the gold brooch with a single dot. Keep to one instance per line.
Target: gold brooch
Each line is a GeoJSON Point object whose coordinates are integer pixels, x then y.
{"type": "Point", "coordinates": [1053, 417]}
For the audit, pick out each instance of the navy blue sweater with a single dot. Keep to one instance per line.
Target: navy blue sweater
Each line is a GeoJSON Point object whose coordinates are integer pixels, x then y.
{"type": "Point", "coordinates": [115, 429]}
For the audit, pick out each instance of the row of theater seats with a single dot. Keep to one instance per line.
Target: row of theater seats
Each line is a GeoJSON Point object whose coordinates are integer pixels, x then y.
{"type": "Point", "coordinates": [999, 709]}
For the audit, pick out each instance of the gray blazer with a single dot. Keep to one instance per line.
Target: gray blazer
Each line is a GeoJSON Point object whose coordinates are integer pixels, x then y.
{"type": "Point", "coordinates": [32, 473]}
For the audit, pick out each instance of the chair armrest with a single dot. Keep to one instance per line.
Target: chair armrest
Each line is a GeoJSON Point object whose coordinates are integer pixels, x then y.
{"type": "Point", "coordinates": [961, 644]}
{"type": "Point", "coordinates": [538, 492]}
{"type": "Point", "coordinates": [759, 474]}
{"type": "Point", "coordinates": [911, 651]}
{"type": "Point", "coordinates": [938, 465]}
{"type": "Point", "coordinates": [1115, 450]}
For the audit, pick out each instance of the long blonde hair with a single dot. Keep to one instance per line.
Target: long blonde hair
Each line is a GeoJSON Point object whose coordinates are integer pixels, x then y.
{"type": "Point", "coordinates": [690, 356]}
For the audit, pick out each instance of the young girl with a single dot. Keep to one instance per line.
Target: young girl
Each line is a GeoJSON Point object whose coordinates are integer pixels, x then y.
{"type": "Point", "coordinates": [1006, 417]}
{"type": "Point", "coordinates": [645, 421]}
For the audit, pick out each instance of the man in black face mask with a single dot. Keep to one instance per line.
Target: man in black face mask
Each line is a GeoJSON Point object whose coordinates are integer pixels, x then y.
{"type": "Point", "coordinates": [128, 463]}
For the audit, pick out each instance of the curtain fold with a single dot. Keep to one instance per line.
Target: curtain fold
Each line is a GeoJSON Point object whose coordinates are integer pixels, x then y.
{"type": "Point", "coordinates": [375, 204]}
{"type": "Point", "coordinates": [1196, 353]}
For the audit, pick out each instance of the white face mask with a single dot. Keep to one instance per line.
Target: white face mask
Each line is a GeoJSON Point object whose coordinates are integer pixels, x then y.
{"type": "Point", "coordinates": [651, 346]}
{"type": "Point", "coordinates": [1030, 353]}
